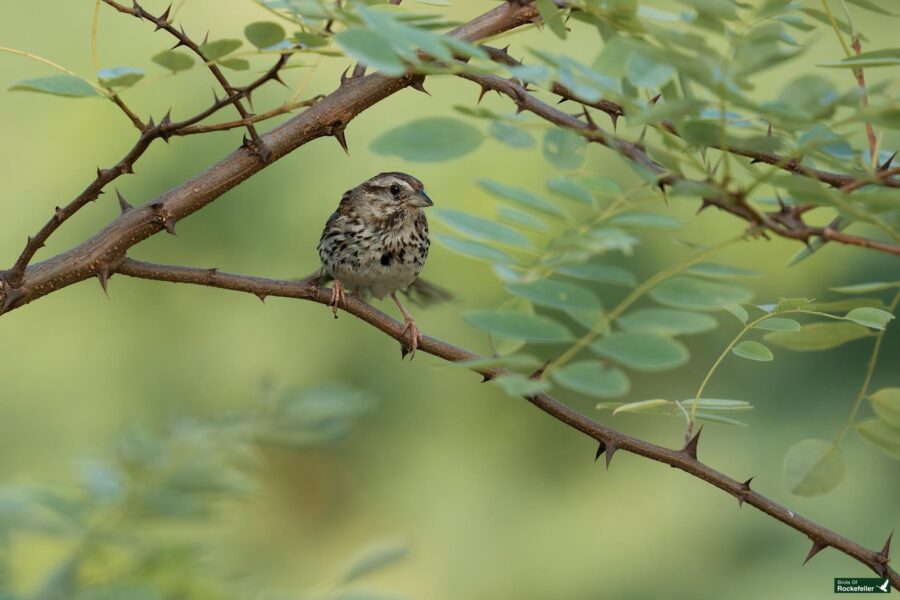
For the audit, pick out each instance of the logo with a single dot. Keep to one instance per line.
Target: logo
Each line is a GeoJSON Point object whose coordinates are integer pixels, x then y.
{"type": "Point", "coordinates": [862, 585]}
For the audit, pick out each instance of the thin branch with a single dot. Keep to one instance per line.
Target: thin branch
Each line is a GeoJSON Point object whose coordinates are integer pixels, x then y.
{"type": "Point", "coordinates": [786, 223]}
{"type": "Point", "coordinates": [610, 440]}
{"type": "Point", "coordinates": [615, 111]}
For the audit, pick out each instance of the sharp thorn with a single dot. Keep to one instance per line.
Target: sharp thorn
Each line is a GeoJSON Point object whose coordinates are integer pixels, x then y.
{"type": "Point", "coordinates": [103, 276]}
{"type": "Point", "coordinates": [341, 139]}
{"type": "Point", "coordinates": [261, 296]}
{"type": "Point", "coordinates": [753, 161]}
{"type": "Point", "coordinates": [690, 448]}
{"type": "Point", "coordinates": [704, 205]}
{"type": "Point", "coordinates": [484, 90]}
{"type": "Point", "coordinates": [12, 297]}
{"type": "Point", "coordinates": [418, 84]}
{"type": "Point", "coordinates": [123, 204]}
{"type": "Point", "coordinates": [817, 546]}
{"type": "Point", "coordinates": [169, 224]}
{"type": "Point", "coordinates": [655, 99]}
{"type": "Point", "coordinates": [615, 120]}
{"type": "Point", "coordinates": [887, 163]}
{"type": "Point", "coordinates": [561, 100]}
{"type": "Point", "coordinates": [344, 78]}
{"type": "Point", "coordinates": [601, 448]}
{"type": "Point", "coordinates": [485, 377]}
{"type": "Point", "coordinates": [58, 214]}
{"type": "Point", "coordinates": [886, 550]}
{"type": "Point", "coordinates": [745, 489]}
{"type": "Point", "coordinates": [610, 450]}
{"type": "Point", "coordinates": [588, 117]}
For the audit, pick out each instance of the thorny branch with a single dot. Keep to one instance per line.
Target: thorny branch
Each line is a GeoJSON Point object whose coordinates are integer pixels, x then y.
{"type": "Point", "coordinates": [105, 253]}
{"type": "Point", "coordinates": [609, 440]}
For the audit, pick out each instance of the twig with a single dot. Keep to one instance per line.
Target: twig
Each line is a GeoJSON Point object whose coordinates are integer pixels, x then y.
{"type": "Point", "coordinates": [610, 440]}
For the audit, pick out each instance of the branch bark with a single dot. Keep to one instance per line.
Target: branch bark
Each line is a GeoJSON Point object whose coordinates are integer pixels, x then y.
{"type": "Point", "coordinates": [610, 440]}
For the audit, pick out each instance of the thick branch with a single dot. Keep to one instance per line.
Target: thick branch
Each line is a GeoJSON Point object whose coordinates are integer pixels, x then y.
{"type": "Point", "coordinates": [329, 117]}
{"type": "Point", "coordinates": [610, 439]}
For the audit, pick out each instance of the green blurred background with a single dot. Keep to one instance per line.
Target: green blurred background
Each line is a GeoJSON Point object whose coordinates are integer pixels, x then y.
{"type": "Point", "coordinates": [496, 499]}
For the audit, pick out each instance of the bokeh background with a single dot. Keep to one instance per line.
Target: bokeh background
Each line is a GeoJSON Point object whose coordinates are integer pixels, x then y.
{"type": "Point", "coordinates": [495, 499]}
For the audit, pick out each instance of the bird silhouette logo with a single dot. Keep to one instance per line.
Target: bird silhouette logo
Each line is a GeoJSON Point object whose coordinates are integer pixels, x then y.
{"type": "Point", "coordinates": [884, 586]}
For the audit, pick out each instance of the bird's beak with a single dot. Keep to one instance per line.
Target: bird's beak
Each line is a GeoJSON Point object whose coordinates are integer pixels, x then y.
{"type": "Point", "coordinates": [421, 200]}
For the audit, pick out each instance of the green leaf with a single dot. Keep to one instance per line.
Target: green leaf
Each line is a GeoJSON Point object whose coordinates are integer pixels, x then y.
{"type": "Point", "coordinates": [703, 416]}
{"type": "Point", "coordinates": [865, 288]}
{"type": "Point", "coordinates": [552, 17]}
{"type": "Point", "coordinates": [174, 61]}
{"type": "Point", "coordinates": [57, 85]}
{"type": "Point", "coordinates": [372, 49]}
{"type": "Point", "coordinates": [432, 139]}
{"type": "Point", "coordinates": [872, 6]}
{"type": "Point", "coordinates": [310, 40]}
{"type": "Point", "coordinates": [564, 149]}
{"type": "Point", "coordinates": [512, 361]}
{"type": "Point", "coordinates": [601, 185]}
{"type": "Point", "coordinates": [482, 229]}
{"type": "Point", "coordinates": [642, 351]}
{"type": "Point", "coordinates": [886, 404]}
{"type": "Point", "coordinates": [504, 346]}
{"type": "Point", "coordinates": [870, 317]}
{"type": "Point", "coordinates": [474, 249]}
{"type": "Point", "coordinates": [218, 48]}
{"type": "Point", "coordinates": [235, 64]}
{"type": "Point", "coordinates": [882, 435]}
{"type": "Point", "coordinates": [684, 291]}
{"type": "Point", "coordinates": [738, 311]}
{"type": "Point", "coordinates": [753, 351]}
{"type": "Point", "coordinates": [778, 324]}
{"type": "Point", "coordinates": [374, 558]}
{"type": "Point", "coordinates": [556, 294]}
{"type": "Point", "coordinates": [817, 336]}
{"type": "Point", "coordinates": [521, 218]}
{"type": "Point", "coordinates": [600, 273]}
{"type": "Point", "coordinates": [667, 322]}
{"type": "Point", "coordinates": [512, 136]}
{"type": "Point", "coordinates": [719, 271]}
{"type": "Point", "coordinates": [522, 197]}
{"type": "Point", "coordinates": [642, 406]}
{"type": "Point", "coordinates": [812, 96]}
{"type": "Point", "coordinates": [593, 378]}
{"type": "Point", "coordinates": [813, 467]}
{"type": "Point", "coordinates": [516, 385]}
{"type": "Point", "coordinates": [646, 220]}
{"type": "Point", "coordinates": [533, 328]}
{"type": "Point", "coordinates": [571, 188]}
{"type": "Point", "coordinates": [264, 34]}
{"type": "Point", "coordinates": [120, 76]}
{"type": "Point", "coordinates": [718, 404]}
{"type": "Point", "coordinates": [646, 72]}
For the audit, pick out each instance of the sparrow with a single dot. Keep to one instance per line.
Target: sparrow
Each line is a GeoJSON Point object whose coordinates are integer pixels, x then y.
{"type": "Point", "coordinates": [376, 243]}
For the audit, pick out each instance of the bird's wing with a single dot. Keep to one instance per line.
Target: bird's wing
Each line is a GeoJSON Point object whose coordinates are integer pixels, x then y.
{"type": "Point", "coordinates": [425, 293]}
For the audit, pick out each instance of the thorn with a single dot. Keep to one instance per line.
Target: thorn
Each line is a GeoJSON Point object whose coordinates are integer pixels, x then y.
{"type": "Point", "coordinates": [245, 142]}
{"type": "Point", "coordinates": [99, 172]}
{"type": "Point", "coordinates": [484, 90]}
{"type": "Point", "coordinates": [205, 39]}
{"type": "Point", "coordinates": [588, 117]}
{"type": "Point", "coordinates": [520, 107]}
{"type": "Point", "coordinates": [754, 161]}
{"type": "Point", "coordinates": [123, 204]}
{"type": "Point", "coordinates": [887, 163]}
{"type": "Point", "coordinates": [58, 214]}
{"type": "Point", "coordinates": [769, 130]}
{"type": "Point", "coordinates": [276, 76]}
{"type": "Point", "coordinates": [163, 19]}
{"type": "Point", "coordinates": [655, 99]}
{"type": "Point", "coordinates": [12, 297]}
{"type": "Point", "coordinates": [561, 100]}
{"type": "Point", "coordinates": [615, 120]}
{"type": "Point", "coordinates": [418, 84]}
{"type": "Point", "coordinates": [610, 450]}
{"type": "Point", "coordinates": [540, 371]}
{"type": "Point", "coordinates": [745, 489]}
{"type": "Point", "coordinates": [344, 78]}
{"type": "Point", "coordinates": [600, 450]}
{"type": "Point", "coordinates": [127, 169]}
{"type": "Point", "coordinates": [103, 276]}
{"type": "Point", "coordinates": [169, 224]}
{"type": "Point", "coordinates": [341, 139]}
{"type": "Point", "coordinates": [167, 118]}
{"type": "Point", "coordinates": [690, 448]}
{"type": "Point", "coordinates": [885, 553]}
{"type": "Point", "coordinates": [261, 296]}
{"type": "Point", "coordinates": [817, 546]}
{"type": "Point", "coordinates": [485, 377]}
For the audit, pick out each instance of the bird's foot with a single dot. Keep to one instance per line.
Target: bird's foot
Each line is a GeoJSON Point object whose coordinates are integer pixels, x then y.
{"type": "Point", "coordinates": [415, 337]}
{"type": "Point", "coordinates": [337, 296]}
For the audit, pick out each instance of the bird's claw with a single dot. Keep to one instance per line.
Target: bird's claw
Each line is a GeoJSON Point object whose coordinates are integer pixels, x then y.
{"type": "Point", "coordinates": [415, 338]}
{"type": "Point", "coordinates": [337, 296]}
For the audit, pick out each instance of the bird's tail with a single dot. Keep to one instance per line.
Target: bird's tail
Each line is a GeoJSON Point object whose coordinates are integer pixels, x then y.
{"type": "Point", "coordinates": [425, 293]}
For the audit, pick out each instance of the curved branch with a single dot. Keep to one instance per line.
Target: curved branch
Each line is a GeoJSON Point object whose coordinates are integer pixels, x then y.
{"type": "Point", "coordinates": [99, 255]}
{"type": "Point", "coordinates": [610, 440]}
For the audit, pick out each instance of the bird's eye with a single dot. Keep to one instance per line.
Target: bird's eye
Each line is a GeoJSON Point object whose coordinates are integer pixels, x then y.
{"type": "Point", "coordinates": [395, 189]}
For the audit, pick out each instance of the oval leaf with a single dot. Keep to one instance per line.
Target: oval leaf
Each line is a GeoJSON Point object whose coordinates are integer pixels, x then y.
{"type": "Point", "coordinates": [642, 351]}
{"type": "Point", "coordinates": [372, 49]}
{"type": "Point", "coordinates": [753, 351]}
{"type": "Point", "coordinates": [667, 322]}
{"type": "Point", "coordinates": [646, 220]}
{"type": "Point", "coordinates": [601, 273]}
{"type": "Point", "coordinates": [643, 405]}
{"type": "Point", "coordinates": [264, 34]}
{"type": "Point", "coordinates": [817, 336]}
{"type": "Point", "coordinates": [522, 197]}
{"type": "Point", "coordinates": [692, 292]}
{"type": "Point", "coordinates": [173, 61]}
{"type": "Point", "coordinates": [518, 325]}
{"type": "Point", "coordinates": [778, 324]}
{"type": "Point", "coordinates": [813, 467]}
{"type": "Point", "coordinates": [120, 76]}
{"type": "Point", "coordinates": [886, 404]}
{"type": "Point", "coordinates": [474, 249]}
{"type": "Point", "coordinates": [564, 149]}
{"type": "Point", "coordinates": [593, 378]}
{"type": "Point", "coordinates": [870, 317]}
{"type": "Point", "coordinates": [57, 85]}
{"type": "Point", "coordinates": [429, 140]}
{"type": "Point", "coordinates": [483, 229]}
{"type": "Point", "coordinates": [556, 294]}
{"type": "Point", "coordinates": [882, 435]}
{"type": "Point", "coordinates": [218, 48]}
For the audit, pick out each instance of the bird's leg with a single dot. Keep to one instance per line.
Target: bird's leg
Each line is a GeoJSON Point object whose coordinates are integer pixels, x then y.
{"type": "Point", "coordinates": [337, 295]}
{"type": "Point", "coordinates": [409, 324]}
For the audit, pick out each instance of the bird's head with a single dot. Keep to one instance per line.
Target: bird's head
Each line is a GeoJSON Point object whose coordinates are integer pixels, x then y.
{"type": "Point", "coordinates": [388, 192]}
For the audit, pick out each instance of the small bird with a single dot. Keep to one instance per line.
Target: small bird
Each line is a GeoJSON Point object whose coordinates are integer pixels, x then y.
{"type": "Point", "coordinates": [376, 243]}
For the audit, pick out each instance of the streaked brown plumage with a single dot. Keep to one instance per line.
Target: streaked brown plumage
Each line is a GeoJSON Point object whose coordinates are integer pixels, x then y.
{"type": "Point", "coordinates": [376, 243]}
